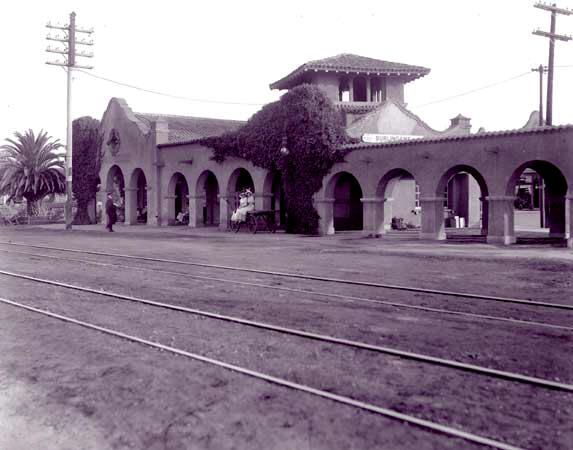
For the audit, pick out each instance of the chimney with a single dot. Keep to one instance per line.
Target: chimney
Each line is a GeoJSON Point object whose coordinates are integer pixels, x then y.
{"type": "Point", "coordinates": [462, 123]}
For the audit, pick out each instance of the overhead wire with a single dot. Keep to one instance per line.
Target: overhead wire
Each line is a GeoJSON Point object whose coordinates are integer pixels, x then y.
{"type": "Point", "coordinates": [223, 102]}
{"type": "Point", "coordinates": [461, 94]}
{"type": "Point", "coordinates": [179, 97]}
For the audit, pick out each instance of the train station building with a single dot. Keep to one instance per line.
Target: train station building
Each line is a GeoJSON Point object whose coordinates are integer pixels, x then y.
{"type": "Point", "coordinates": [402, 173]}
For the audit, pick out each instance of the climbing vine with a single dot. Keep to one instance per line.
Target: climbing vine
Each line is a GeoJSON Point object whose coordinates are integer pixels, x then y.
{"type": "Point", "coordinates": [305, 123]}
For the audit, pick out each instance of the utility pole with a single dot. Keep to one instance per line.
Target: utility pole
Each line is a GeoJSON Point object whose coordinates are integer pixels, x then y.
{"type": "Point", "coordinates": [552, 37]}
{"type": "Point", "coordinates": [70, 42]}
{"type": "Point", "coordinates": [541, 69]}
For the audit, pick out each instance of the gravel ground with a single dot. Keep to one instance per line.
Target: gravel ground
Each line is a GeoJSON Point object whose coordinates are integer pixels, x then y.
{"type": "Point", "coordinates": [86, 387]}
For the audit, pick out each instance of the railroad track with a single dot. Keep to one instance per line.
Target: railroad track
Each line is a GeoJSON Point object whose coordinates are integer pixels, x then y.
{"type": "Point", "coordinates": [516, 377]}
{"type": "Point", "coordinates": [305, 277]}
{"type": "Point", "coordinates": [277, 380]}
{"type": "Point", "coordinates": [322, 294]}
{"type": "Point", "coordinates": [539, 383]}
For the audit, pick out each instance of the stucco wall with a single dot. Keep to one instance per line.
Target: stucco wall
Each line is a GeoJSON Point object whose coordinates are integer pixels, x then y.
{"type": "Point", "coordinates": [395, 89]}
{"type": "Point", "coordinates": [327, 82]}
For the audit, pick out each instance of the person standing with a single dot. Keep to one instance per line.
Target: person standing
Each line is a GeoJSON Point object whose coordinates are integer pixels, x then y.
{"type": "Point", "coordinates": [110, 211]}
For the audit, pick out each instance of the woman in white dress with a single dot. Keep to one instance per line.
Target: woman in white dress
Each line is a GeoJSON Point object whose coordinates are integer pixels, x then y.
{"type": "Point", "coordinates": [246, 204]}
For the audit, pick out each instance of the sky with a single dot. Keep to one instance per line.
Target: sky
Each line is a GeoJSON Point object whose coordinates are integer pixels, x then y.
{"type": "Point", "coordinates": [230, 51]}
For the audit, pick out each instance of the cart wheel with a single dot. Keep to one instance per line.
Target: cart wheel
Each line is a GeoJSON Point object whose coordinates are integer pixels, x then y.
{"type": "Point", "coordinates": [235, 226]}
{"type": "Point", "coordinates": [252, 224]}
{"type": "Point", "coordinates": [272, 226]}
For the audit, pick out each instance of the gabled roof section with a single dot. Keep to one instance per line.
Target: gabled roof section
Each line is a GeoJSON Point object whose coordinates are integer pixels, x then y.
{"type": "Point", "coordinates": [183, 129]}
{"type": "Point", "coordinates": [347, 62]}
{"type": "Point", "coordinates": [393, 118]}
{"type": "Point", "coordinates": [390, 117]}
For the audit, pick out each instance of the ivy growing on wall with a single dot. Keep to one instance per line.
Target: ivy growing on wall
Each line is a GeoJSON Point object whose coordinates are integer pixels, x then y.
{"type": "Point", "coordinates": [306, 123]}
{"type": "Point", "coordinates": [86, 144]}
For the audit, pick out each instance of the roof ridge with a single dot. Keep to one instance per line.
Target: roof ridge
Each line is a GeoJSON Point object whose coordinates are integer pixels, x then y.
{"type": "Point", "coordinates": [460, 137]}
{"type": "Point", "coordinates": [179, 116]}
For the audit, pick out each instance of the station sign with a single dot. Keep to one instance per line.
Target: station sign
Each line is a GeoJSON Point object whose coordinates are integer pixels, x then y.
{"type": "Point", "coordinates": [383, 138]}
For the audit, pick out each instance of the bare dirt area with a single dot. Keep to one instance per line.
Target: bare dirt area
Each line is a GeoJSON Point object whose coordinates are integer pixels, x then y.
{"type": "Point", "coordinates": [104, 393]}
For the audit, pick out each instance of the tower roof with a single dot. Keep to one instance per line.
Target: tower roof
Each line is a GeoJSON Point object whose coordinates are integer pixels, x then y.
{"type": "Point", "coordinates": [350, 63]}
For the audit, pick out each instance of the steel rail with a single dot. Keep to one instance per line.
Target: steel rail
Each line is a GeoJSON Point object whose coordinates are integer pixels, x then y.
{"type": "Point", "coordinates": [349, 298]}
{"type": "Point", "coordinates": [444, 429]}
{"type": "Point", "coordinates": [307, 277]}
{"type": "Point", "coordinates": [511, 376]}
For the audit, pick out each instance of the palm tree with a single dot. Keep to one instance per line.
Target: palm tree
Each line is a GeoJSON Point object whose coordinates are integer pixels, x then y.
{"type": "Point", "coordinates": [30, 168]}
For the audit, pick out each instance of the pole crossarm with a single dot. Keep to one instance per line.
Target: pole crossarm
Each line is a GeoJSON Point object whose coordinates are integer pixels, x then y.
{"type": "Point", "coordinates": [57, 39]}
{"type": "Point", "coordinates": [541, 68]}
{"type": "Point", "coordinates": [560, 37]}
{"type": "Point", "coordinates": [57, 50]}
{"type": "Point", "coordinates": [553, 8]}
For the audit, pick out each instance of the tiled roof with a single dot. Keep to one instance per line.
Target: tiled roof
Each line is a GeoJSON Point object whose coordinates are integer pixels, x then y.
{"type": "Point", "coordinates": [347, 62]}
{"type": "Point", "coordinates": [183, 129]}
{"type": "Point", "coordinates": [466, 137]}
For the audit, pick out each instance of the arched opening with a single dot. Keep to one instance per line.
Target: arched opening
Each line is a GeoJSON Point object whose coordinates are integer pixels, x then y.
{"type": "Point", "coordinates": [115, 184]}
{"type": "Point", "coordinates": [207, 200]}
{"type": "Point", "coordinates": [274, 197]}
{"type": "Point", "coordinates": [465, 200]}
{"type": "Point", "coordinates": [347, 207]}
{"type": "Point", "coordinates": [400, 195]}
{"type": "Point", "coordinates": [178, 200]}
{"type": "Point", "coordinates": [539, 188]}
{"type": "Point", "coordinates": [136, 208]}
{"type": "Point", "coordinates": [360, 92]}
{"type": "Point", "coordinates": [239, 180]}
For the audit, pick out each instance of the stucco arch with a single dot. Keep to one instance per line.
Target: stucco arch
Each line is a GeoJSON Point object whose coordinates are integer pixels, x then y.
{"type": "Point", "coordinates": [177, 197]}
{"type": "Point", "coordinates": [344, 210]}
{"type": "Point", "coordinates": [204, 205]}
{"type": "Point", "coordinates": [555, 192]}
{"type": "Point", "coordinates": [136, 198]}
{"type": "Point", "coordinates": [115, 183]}
{"type": "Point", "coordinates": [397, 182]}
{"type": "Point", "coordinates": [240, 179]}
{"type": "Point", "coordinates": [460, 195]}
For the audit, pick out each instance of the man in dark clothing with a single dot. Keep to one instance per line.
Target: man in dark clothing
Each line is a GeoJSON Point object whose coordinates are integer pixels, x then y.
{"type": "Point", "coordinates": [110, 212]}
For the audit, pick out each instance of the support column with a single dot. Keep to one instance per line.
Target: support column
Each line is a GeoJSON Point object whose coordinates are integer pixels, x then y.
{"type": "Point", "coordinates": [350, 89]}
{"type": "Point", "coordinates": [373, 215]}
{"type": "Point", "coordinates": [433, 218]}
{"type": "Point", "coordinates": [263, 201]}
{"type": "Point", "coordinates": [387, 218]}
{"type": "Point", "coordinates": [130, 206]}
{"type": "Point", "coordinates": [569, 220]}
{"type": "Point", "coordinates": [368, 89]}
{"type": "Point", "coordinates": [325, 209]}
{"type": "Point", "coordinates": [484, 219]}
{"type": "Point", "coordinates": [500, 220]}
{"type": "Point", "coordinates": [169, 214]}
{"type": "Point", "coordinates": [196, 204]}
{"type": "Point", "coordinates": [224, 211]}
{"type": "Point", "coordinates": [557, 215]}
